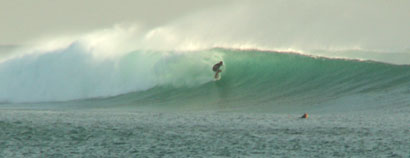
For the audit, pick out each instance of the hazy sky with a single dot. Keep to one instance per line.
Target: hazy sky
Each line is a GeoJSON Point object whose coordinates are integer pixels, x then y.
{"type": "Point", "coordinates": [23, 20]}
{"type": "Point", "coordinates": [375, 25]}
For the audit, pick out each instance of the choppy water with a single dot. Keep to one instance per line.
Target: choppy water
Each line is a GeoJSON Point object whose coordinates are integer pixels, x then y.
{"type": "Point", "coordinates": [142, 134]}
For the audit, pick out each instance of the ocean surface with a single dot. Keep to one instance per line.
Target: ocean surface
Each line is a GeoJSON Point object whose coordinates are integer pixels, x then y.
{"type": "Point", "coordinates": [167, 104]}
{"type": "Point", "coordinates": [68, 133]}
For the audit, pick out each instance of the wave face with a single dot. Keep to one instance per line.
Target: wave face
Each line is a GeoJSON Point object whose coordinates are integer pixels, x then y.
{"type": "Point", "coordinates": [251, 80]}
{"type": "Point", "coordinates": [268, 81]}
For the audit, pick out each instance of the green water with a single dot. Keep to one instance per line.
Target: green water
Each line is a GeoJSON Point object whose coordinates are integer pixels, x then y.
{"type": "Point", "coordinates": [273, 82]}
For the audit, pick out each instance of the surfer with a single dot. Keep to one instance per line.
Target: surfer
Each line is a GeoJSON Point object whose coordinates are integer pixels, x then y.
{"type": "Point", "coordinates": [217, 69]}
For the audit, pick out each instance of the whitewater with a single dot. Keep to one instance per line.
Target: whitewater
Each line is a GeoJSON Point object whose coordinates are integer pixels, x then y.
{"type": "Point", "coordinates": [135, 91]}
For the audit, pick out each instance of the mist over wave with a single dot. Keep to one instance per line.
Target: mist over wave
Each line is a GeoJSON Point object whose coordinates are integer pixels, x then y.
{"type": "Point", "coordinates": [72, 74]}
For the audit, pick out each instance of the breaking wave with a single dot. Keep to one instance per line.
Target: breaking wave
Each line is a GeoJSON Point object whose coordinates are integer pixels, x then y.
{"type": "Point", "coordinates": [251, 79]}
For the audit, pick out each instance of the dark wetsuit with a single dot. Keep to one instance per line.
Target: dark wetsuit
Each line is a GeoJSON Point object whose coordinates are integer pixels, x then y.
{"type": "Point", "coordinates": [216, 67]}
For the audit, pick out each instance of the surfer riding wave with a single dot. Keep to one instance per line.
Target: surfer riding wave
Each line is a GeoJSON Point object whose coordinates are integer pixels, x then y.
{"type": "Point", "coordinates": [217, 69]}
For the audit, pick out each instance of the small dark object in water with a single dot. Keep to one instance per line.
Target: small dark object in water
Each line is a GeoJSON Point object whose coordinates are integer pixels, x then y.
{"type": "Point", "coordinates": [305, 116]}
